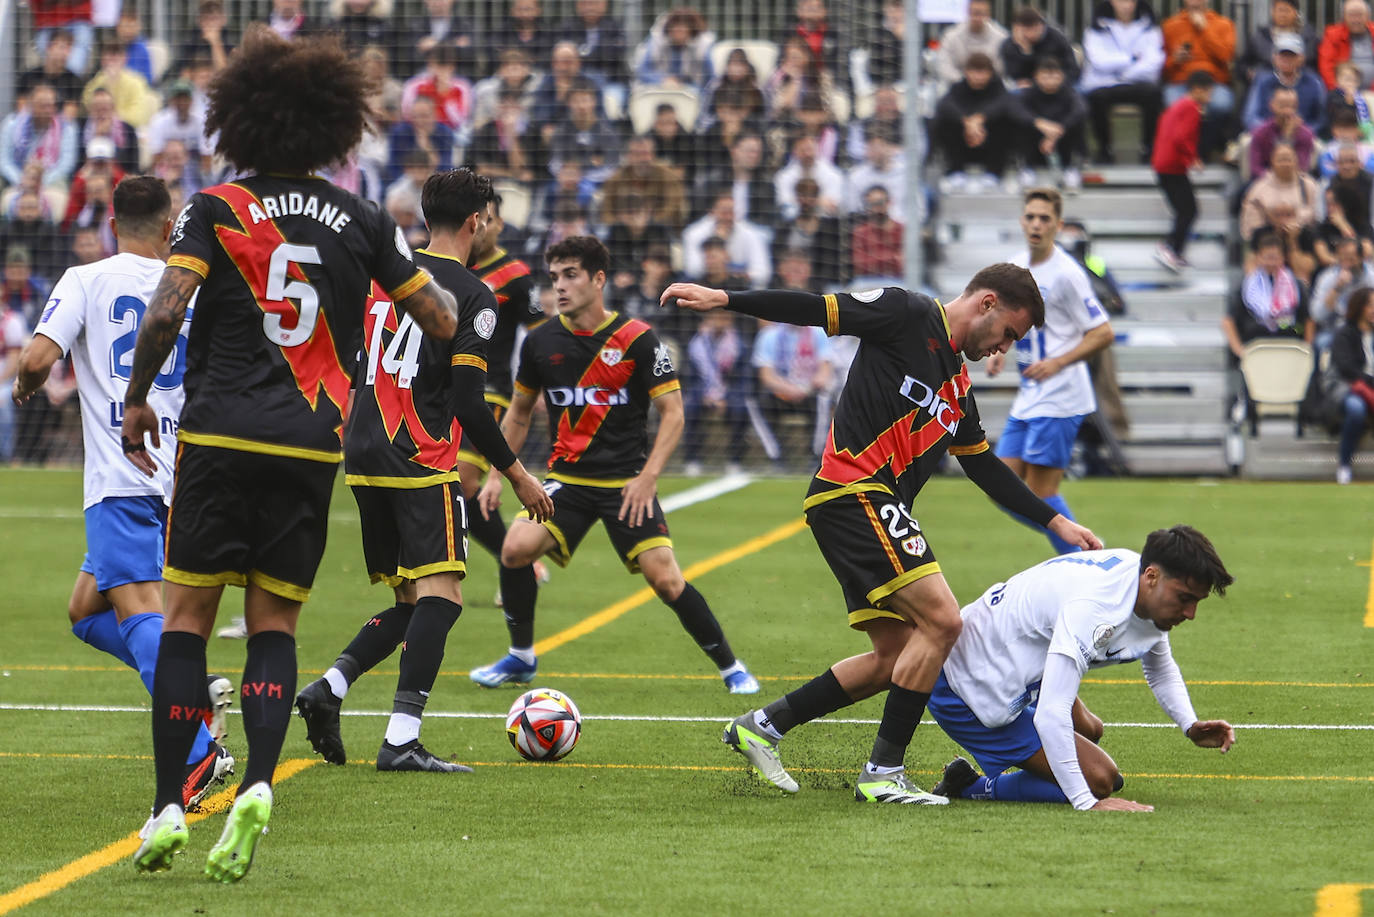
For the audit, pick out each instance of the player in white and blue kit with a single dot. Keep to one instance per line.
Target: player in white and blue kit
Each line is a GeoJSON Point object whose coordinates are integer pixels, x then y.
{"type": "Point", "coordinates": [93, 313]}
{"type": "Point", "coordinates": [1056, 393]}
{"type": "Point", "coordinates": [1008, 693]}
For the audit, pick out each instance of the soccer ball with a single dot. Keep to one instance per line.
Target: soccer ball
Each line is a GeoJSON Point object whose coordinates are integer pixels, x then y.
{"type": "Point", "coordinates": [543, 724]}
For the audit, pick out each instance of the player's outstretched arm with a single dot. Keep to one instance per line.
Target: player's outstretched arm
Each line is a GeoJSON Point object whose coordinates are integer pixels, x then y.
{"type": "Point", "coordinates": [637, 497]}
{"type": "Point", "coordinates": [157, 335]}
{"type": "Point", "coordinates": [787, 306]}
{"type": "Point", "coordinates": [1212, 734]}
{"type": "Point", "coordinates": [434, 310]}
{"type": "Point", "coordinates": [1000, 483]}
{"type": "Point", "coordinates": [32, 368]}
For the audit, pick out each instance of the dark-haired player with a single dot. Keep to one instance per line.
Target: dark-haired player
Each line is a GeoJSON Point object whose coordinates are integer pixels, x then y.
{"type": "Point", "coordinates": [517, 306]}
{"type": "Point", "coordinates": [1008, 692]}
{"type": "Point", "coordinates": [599, 372]}
{"type": "Point", "coordinates": [906, 403]}
{"type": "Point", "coordinates": [283, 263]}
{"type": "Point", "coordinates": [416, 397]}
{"type": "Point", "coordinates": [93, 313]}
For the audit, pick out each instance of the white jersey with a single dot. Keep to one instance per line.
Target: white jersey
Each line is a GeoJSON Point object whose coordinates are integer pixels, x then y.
{"type": "Point", "coordinates": [1078, 605]}
{"type": "Point", "coordinates": [93, 313]}
{"type": "Point", "coordinates": [1071, 309]}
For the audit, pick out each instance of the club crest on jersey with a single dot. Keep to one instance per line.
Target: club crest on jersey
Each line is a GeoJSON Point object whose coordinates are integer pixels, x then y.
{"type": "Point", "coordinates": [485, 324]}
{"type": "Point", "coordinates": [924, 396]}
{"type": "Point", "coordinates": [663, 360]}
{"type": "Point", "coordinates": [179, 229]}
{"type": "Point", "coordinates": [1102, 635]}
{"type": "Point", "coordinates": [611, 355]}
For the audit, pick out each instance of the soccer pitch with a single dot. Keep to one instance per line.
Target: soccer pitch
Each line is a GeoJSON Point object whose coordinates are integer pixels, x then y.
{"type": "Point", "coordinates": [651, 814]}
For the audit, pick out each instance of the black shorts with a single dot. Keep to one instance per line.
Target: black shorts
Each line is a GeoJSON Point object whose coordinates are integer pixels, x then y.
{"type": "Point", "coordinates": [240, 517]}
{"type": "Point", "coordinates": [874, 546]}
{"type": "Point", "coordinates": [409, 533]}
{"type": "Point", "coordinates": [577, 507]}
{"type": "Point", "coordinates": [467, 452]}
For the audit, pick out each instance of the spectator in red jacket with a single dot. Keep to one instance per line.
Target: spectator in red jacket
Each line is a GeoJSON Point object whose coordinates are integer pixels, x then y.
{"type": "Point", "coordinates": [877, 239]}
{"type": "Point", "coordinates": [1350, 39]}
{"type": "Point", "coordinates": [1174, 154]}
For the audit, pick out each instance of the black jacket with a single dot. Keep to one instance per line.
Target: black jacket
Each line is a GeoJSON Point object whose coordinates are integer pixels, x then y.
{"type": "Point", "coordinates": [1017, 65]}
{"type": "Point", "coordinates": [1065, 107]}
{"type": "Point", "coordinates": [963, 100]}
{"type": "Point", "coordinates": [1347, 355]}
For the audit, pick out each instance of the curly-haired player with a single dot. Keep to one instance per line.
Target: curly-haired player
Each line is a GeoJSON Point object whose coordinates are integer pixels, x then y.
{"type": "Point", "coordinates": [282, 263]}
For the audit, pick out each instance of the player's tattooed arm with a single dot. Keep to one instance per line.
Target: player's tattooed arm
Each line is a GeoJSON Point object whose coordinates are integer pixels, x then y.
{"type": "Point", "coordinates": [157, 332]}
{"type": "Point", "coordinates": [434, 310]}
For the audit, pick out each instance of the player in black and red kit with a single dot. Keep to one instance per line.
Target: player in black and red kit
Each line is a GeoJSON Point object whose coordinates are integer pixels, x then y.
{"type": "Point", "coordinates": [906, 403]}
{"type": "Point", "coordinates": [283, 263]}
{"type": "Point", "coordinates": [599, 372]}
{"type": "Point", "coordinates": [517, 305]}
{"type": "Point", "coordinates": [415, 398]}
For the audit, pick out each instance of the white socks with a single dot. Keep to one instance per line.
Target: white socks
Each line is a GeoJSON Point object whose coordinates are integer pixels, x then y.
{"type": "Point", "coordinates": [524, 654]}
{"type": "Point", "coordinates": [338, 685]}
{"type": "Point", "coordinates": [402, 728]}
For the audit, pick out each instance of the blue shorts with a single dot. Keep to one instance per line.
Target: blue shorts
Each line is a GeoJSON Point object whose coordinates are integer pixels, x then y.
{"type": "Point", "coordinates": [124, 541]}
{"type": "Point", "coordinates": [1044, 441]}
{"type": "Point", "coordinates": [995, 750]}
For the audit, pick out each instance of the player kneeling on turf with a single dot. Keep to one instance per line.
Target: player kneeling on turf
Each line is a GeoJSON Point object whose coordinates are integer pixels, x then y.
{"type": "Point", "coordinates": [1009, 690]}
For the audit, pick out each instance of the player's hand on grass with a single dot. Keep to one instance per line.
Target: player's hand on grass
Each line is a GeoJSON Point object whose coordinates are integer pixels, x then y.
{"type": "Point", "coordinates": [531, 495]}
{"type": "Point", "coordinates": [138, 421]}
{"type": "Point", "coordinates": [1074, 533]}
{"type": "Point", "coordinates": [1212, 734]}
{"type": "Point", "coordinates": [1113, 804]}
{"type": "Point", "coordinates": [637, 499]}
{"type": "Point", "coordinates": [489, 497]}
{"type": "Point", "coordinates": [1041, 370]}
{"type": "Point", "coordinates": [694, 296]}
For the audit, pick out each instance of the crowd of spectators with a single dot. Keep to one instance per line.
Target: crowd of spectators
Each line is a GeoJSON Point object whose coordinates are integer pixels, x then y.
{"type": "Point", "coordinates": [742, 168]}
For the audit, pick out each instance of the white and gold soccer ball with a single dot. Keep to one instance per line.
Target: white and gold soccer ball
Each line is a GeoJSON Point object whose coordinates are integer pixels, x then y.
{"type": "Point", "coordinates": [543, 724]}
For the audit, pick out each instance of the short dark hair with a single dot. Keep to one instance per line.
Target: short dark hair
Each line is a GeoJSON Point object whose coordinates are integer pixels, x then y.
{"type": "Point", "coordinates": [1016, 289]}
{"type": "Point", "coordinates": [449, 198]}
{"type": "Point", "coordinates": [587, 251]}
{"type": "Point", "coordinates": [713, 242]}
{"type": "Point", "coordinates": [1355, 304]}
{"type": "Point", "coordinates": [1183, 552]}
{"type": "Point", "coordinates": [141, 205]}
{"type": "Point", "coordinates": [1266, 237]}
{"type": "Point", "coordinates": [1200, 79]}
{"type": "Point", "coordinates": [276, 111]}
{"type": "Point", "coordinates": [1050, 196]}
{"type": "Point", "coordinates": [1028, 16]}
{"type": "Point", "coordinates": [1344, 117]}
{"type": "Point", "coordinates": [1048, 62]}
{"type": "Point", "coordinates": [978, 61]}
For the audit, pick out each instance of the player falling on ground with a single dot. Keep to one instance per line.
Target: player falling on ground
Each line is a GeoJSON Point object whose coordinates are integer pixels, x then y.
{"type": "Point", "coordinates": [1009, 689]}
{"type": "Point", "coordinates": [1056, 393]}
{"type": "Point", "coordinates": [599, 372]}
{"type": "Point", "coordinates": [93, 313]}
{"type": "Point", "coordinates": [283, 262]}
{"type": "Point", "coordinates": [517, 306]}
{"type": "Point", "coordinates": [415, 398]}
{"type": "Point", "coordinates": [906, 403]}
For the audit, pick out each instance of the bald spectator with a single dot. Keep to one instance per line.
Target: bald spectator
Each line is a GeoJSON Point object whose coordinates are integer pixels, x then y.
{"type": "Point", "coordinates": [1284, 126]}
{"type": "Point", "coordinates": [1350, 39]}
{"type": "Point", "coordinates": [643, 178]}
{"type": "Point", "coordinates": [978, 33]}
{"type": "Point", "coordinates": [745, 245]}
{"type": "Point", "coordinates": [1031, 39]}
{"type": "Point", "coordinates": [1285, 16]}
{"type": "Point", "coordinates": [1288, 72]}
{"type": "Point", "coordinates": [39, 135]}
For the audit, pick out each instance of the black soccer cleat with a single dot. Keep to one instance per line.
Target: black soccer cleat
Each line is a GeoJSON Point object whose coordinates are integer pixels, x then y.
{"type": "Point", "coordinates": [319, 708]}
{"type": "Point", "coordinates": [412, 756]}
{"type": "Point", "coordinates": [959, 776]}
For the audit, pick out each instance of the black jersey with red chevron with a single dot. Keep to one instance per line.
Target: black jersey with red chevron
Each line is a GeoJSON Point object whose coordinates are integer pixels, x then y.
{"type": "Point", "coordinates": [597, 386]}
{"type": "Point", "coordinates": [287, 264]}
{"type": "Point", "coordinates": [517, 304]}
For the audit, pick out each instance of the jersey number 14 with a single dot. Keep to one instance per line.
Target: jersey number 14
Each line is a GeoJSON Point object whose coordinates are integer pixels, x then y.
{"type": "Point", "coordinates": [401, 358]}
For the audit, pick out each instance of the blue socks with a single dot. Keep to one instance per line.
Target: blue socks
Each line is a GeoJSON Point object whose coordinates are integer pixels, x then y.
{"type": "Point", "coordinates": [134, 642]}
{"type": "Point", "coordinates": [1020, 786]}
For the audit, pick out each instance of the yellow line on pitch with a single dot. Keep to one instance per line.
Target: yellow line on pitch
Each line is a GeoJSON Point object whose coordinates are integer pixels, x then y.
{"type": "Point", "coordinates": [1340, 900]}
{"type": "Point", "coordinates": [124, 848]}
{"type": "Point", "coordinates": [1369, 602]}
{"type": "Point", "coordinates": [634, 600]}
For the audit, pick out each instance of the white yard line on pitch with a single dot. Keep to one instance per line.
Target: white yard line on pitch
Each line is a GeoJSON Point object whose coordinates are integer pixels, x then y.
{"type": "Point", "coordinates": [631, 718]}
{"type": "Point", "coordinates": [680, 500]}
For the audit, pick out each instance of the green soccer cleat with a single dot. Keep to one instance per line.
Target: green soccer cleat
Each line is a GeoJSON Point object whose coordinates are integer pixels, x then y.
{"type": "Point", "coordinates": [164, 836]}
{"type": "Point", "coordinates": [761, 751]}
{"type": "Point", "coordinates": [232, 854]}
{"type": "Point", "coordinates": [893, 788]}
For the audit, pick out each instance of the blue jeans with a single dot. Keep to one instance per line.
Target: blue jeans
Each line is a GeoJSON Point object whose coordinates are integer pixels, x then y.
{"type": "Point", "coordinates": [1356, 414]}
{"type": "Point", "coordinates": [1222, 103]}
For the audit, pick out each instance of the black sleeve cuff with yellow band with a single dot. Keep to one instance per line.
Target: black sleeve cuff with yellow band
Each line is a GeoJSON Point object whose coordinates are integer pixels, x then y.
{"type": "Point", "coordinates": [999, 482]}
{"type": "Point", "coordinates": [470, 407]}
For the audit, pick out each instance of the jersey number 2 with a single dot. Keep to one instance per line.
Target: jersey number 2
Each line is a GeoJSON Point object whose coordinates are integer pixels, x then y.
{"type": "Point", "coordinates": [175, 366]}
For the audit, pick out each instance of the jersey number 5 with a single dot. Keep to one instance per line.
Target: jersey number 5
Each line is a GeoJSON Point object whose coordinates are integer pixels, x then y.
{"type": "Point", "coordinates": [279, 289]}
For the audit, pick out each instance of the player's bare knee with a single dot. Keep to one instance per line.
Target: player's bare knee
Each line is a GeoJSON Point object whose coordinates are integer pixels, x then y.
{"type": "Point", "coordinates": [1104, 781]}
{"type": "Point", "coordinates": [943, 628]}
{"type": "Point", "coordinates": [667, 584]}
